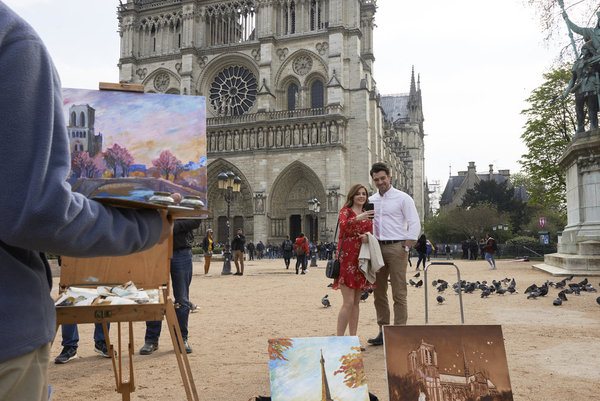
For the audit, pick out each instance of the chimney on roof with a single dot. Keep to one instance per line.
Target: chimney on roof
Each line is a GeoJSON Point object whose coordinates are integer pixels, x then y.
{"type": "Point", "coordinates": [491, 171]}
{"type": "Point", "coordinates": [504, 173]}
{"type": "Point", "coordinates": [471, 166]}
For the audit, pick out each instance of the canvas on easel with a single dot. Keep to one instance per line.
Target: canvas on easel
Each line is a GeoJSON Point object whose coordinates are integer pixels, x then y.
{"type": "Point", "coordinates": [130, 145]}
{"type": "Point", "coordinates": [438, 363]}
{"type": "Point", "coordinates": [317, 368]}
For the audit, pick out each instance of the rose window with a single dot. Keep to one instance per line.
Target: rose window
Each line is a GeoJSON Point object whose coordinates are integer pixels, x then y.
{"type": "Point", "coordinates": [233, 91]}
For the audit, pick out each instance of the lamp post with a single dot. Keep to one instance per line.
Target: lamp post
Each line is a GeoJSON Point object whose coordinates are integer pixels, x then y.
{"type": "Point", "coordinates": [314, 206]}
{"type": "Point", "coordinates": [229, 185]}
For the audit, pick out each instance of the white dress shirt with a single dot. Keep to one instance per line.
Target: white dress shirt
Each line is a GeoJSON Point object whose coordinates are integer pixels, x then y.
{"type": "Point", "coordinates": [396, 216]}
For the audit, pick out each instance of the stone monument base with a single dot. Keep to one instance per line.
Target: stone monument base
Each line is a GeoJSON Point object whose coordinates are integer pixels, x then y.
{"type": "Point", "coordinates": [579, 249]}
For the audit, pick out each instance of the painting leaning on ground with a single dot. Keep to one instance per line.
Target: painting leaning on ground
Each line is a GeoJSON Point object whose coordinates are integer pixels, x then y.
{"type": "Point", "coordinates": [140, 142]}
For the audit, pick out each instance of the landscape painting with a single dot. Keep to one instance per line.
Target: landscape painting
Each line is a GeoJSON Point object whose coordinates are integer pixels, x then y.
{"type": "Point", "coordinates": [317, 368]}
{"type": "Point", "coordinates": [446, 363]}
{"type": "Point", "coordinates": [129, 145]}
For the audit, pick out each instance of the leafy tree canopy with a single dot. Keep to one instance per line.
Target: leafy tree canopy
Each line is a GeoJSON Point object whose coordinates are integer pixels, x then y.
{"type": "Point", "coordinates": [547, 133]}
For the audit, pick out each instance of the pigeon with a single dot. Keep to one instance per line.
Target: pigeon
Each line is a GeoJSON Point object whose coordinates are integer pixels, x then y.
{"type": "Point", "coordinates": [534, 294]}
{"type": "Point", "coordinates": [557, 302]}
{"type": "Point", "coordinates": [434, 283]}
{"type": "Point", "coordinates": [419, 283]}
{"type": "Point", "coordinates": [562, 296]}
{"type": "Point", "coordinates": [330, 285]}
{"type": "Point", "coordinates": [411, 282]}
{"type": "Point", "coordinates": [543, 290]}
{"type": "Point", "coordinates": [511, 290]}
{"type": "Point", "coordinates": [325, 301]}
{"type": "Point", "coordinates": [598, 300]}
{"type": "Point", "coordinates": [442, 287]}
{"type": "Point", "coordinates": [485, 293]}
{"type": "Point", "coordinates": [531, 288]}
{"type": "Point", "coordinates": [583, 283]}
{"type": "Point", "coordinates": [440, 299]}
{"type": "Point", "coordinates": [589, 288]}
{"type": "Point", "coordinates": [569, 278]}
{"type": "Point", "coordinates": [469, 288]}
{"type": "Point", "coordinates": [501, 291]}
{"type": "Point", "coordinates": [417, 275]}
{"type": "Point", "coordinates": [568, 291]}
{"type": "Point", "coordinates": [561, 284]}
{"type": "Point", "coordinates": [364, 295]}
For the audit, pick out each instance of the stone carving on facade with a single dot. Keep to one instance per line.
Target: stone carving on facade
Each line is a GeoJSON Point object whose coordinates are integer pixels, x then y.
{"type": "Point", "coordinates": [141, 72]}
{"type": "Point", "coordinates": [161, 82]}
{"type": "Point", "coordinates": [178, 68]}
{"type": "Point", "coordinates": [259, 202]}
{"type": "Point", "coordinates": [202, 61]}
{"type": "Point", "coordinates": [302, 64]}
{"type": "Point", "coordinates": [261, 137]}
{"type": "Point", "coordinates": [322, 47]}
{"type": "Point", "coordinates": [256, 54]}
{"type": "Point", "coordinates": [282, 53]}
{"type": "Point", "coordinates": [332, 200]}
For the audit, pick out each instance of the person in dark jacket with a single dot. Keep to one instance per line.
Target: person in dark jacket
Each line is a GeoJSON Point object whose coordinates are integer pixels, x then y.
{"type": "Point", "coordinates": [208, 247]}
{"type": "Point", "coordinates": [287, 247]}
{"type": "Point", "coordinates": [237, 245]}
{"type": "Point", "coordinates": [473, 248]}
{"type": "Point", "coordinates": [421, 247]}
{"type": "Point", "coordinates": [181, 278]}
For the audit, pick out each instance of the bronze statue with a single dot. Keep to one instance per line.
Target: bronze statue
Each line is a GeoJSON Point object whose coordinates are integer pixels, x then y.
{"type": "Point", "coordinates": [585, 81]}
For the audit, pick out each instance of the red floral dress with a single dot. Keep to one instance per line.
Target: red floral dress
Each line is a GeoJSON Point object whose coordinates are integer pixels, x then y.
{"type": "Point", "coordinates": [350, 229]}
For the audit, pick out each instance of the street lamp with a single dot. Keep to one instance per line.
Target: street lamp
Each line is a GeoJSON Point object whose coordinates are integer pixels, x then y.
{"type": "Point", "coordinates": [229, 185]}
{"type": "Point", "coordinates": [314, 206]}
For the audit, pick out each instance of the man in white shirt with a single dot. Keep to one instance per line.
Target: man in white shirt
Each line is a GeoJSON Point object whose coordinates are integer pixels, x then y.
{"type": "Point", "coordinates": [396, 226]}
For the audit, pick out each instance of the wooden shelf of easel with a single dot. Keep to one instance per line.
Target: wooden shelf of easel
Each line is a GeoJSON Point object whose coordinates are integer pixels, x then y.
{"type": "Point", "coordinates": [148, 270]}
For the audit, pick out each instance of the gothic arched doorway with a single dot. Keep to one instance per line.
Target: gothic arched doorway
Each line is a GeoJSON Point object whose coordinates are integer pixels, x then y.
{"type": "Point", "coordinates": [290, 193]}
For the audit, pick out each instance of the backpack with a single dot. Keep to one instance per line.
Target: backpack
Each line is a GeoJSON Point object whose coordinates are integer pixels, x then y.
{"type": "Point", "coordinates": [287, 246]}
{"type": "Point", "coordinates": [300, 248]}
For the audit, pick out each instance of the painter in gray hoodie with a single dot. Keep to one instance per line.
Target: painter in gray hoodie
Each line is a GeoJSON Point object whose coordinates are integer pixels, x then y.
{"type": "Point", "coordinates": [38, 211]}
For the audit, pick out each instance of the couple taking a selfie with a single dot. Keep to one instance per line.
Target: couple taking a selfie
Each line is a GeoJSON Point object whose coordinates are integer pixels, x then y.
{"type": "Point", "coordinates": [391, 216]}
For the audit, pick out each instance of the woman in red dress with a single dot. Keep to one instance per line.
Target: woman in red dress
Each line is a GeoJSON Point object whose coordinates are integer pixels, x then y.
{"type": "Point", "coordinates": [354, 224]}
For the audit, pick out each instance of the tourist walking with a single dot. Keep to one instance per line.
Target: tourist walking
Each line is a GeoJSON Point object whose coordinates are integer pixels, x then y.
{"type": "Point", "coordinates": [208, 247]}
{"type": "Point", "coordinates": [490, 248]}
{"type": "Point", "coordinates": [287, 248]}
{"type": "Point", "coordinates": [421, 248]}
{"type": "Point", "coordinates": [302, 249]}
{"type": "Point", "coordinates": [237, 245]}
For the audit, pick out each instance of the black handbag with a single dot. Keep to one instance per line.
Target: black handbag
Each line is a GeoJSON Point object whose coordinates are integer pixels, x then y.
{"type": "Point", "coordinates": [333, 265]}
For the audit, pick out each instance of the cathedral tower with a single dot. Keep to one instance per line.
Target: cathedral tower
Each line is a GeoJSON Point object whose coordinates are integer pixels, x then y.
{"type": "Point", "coordinates": [292, 105]}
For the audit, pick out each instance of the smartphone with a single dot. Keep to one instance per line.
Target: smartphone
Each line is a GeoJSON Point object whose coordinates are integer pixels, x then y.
{"type": "Point", "coordinates": [369, 206]}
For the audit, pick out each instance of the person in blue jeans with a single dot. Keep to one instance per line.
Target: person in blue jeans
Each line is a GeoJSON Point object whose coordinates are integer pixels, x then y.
{"type": "Point", "coordinates": [181, 278]}
{"type": "Point", "coordinates": [70, 342]}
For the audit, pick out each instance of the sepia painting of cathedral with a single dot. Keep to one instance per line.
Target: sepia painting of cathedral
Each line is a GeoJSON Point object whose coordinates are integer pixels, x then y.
{"type": "Point", "coordinates": [446, 363]}
{"type": "Point", "coordinates": [292, 104]}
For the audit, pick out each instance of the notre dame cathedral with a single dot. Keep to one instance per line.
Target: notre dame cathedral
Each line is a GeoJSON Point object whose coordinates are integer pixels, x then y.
{"type": "Point", "coordinates": [292, 104]}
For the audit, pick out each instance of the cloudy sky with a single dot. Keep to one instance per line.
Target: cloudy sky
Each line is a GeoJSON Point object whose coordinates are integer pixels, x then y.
{"type": "Point", "coordinates": [477, 63]}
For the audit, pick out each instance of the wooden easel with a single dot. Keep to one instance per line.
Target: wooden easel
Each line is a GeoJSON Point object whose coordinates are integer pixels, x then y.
{"type": "Point", "coordinates": [148, 270]}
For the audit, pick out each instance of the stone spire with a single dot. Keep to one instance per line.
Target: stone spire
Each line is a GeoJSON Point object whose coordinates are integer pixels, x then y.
{"type": "Point", "coordinates": [413, 86]}
{"type": "Point", "coordinates": [325, 393]}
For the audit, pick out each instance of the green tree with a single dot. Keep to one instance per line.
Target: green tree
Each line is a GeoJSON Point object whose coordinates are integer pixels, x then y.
{"type": "Point", "coordinates": [501, 196]}
{"type": "Point", "coordinates": [457, 224]}
{"type": "Point", "coordinates": [547, 133]}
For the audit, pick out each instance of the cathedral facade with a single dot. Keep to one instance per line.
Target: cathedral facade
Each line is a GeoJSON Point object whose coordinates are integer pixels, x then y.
{"type": "Point", "coordinates": [292, 104]}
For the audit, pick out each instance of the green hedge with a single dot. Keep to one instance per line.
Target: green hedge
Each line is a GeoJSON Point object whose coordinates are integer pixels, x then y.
{"type": "Point", "coordinates": [199, 251]}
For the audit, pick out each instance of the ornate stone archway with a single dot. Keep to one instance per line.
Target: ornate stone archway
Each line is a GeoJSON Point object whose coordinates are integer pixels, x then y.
{"type": "Point", "coordinates": [242, 210]}
{"type": "Point", "coordinates": [288, 205]}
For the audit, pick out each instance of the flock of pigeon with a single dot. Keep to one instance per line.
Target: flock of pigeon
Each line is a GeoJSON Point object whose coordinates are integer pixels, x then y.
{"type": "Point", "coordinates": [498, 287]}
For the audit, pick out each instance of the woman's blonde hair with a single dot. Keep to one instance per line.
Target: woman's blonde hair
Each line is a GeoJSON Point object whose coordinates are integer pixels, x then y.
{"type": "Point", "coordinates": [352, 193]}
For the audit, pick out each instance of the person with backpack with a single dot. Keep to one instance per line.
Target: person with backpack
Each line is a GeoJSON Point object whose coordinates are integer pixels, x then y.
{"type": "Point", "coordinates": [302, 249]}
{"type": "Point", "coordinates": [287, 247]}
{"type": "Point", "coordinates": [490, 249]}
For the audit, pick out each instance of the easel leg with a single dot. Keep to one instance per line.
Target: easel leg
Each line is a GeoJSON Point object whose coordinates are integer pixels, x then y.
{"type": "Point", "coordinates": [180, 354]}
{"type": "Point", "coordinates": [125, 388]}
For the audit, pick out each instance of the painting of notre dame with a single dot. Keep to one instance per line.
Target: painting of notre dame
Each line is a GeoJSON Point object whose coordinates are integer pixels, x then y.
{"type": "Point", "coordinates": [130, 145]}
{"type": "Point", "coordinates": [446, 363]}
{"type": "Point", "coordinates": [317, 369]}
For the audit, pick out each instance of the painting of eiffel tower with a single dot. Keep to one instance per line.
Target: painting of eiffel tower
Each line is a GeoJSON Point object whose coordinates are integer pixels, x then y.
{"type": "Point", "coordinates": [317, 369]}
